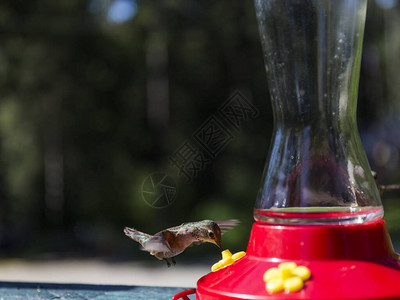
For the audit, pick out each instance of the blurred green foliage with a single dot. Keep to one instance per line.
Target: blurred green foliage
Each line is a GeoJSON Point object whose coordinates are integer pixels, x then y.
{"type": "Point", "coordinates": [91, 105]}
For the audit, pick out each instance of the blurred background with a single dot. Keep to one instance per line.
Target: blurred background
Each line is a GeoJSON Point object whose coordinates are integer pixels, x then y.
{"type": "Point", "coordinates": [102, 101]}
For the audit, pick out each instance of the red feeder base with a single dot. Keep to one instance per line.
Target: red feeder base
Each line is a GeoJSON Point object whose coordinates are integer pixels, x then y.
{"type": "Point", "coordinates": [346, 262]}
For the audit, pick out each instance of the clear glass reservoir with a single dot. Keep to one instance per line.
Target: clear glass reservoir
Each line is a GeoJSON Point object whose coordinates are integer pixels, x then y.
{"type": "Point", "coordinates": [317, 171]}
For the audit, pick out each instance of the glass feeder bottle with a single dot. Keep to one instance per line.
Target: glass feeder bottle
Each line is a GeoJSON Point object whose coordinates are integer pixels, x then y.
{"type": "Point", "coordinates": [317, 171]}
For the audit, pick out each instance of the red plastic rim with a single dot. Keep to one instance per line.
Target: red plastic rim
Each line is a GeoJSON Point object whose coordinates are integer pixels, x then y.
{"type": "Point", "coordinates": [184, 294]}
{"type": "Point", "coordinates": [315, 242]}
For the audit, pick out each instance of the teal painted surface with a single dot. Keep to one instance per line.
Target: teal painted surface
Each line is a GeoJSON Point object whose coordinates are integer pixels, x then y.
{"type": "Point", "coordinates": [83, 291]}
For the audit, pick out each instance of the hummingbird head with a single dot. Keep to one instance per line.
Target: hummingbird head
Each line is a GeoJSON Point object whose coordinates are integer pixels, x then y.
{"type": "Point", "coordinates": [211, 233]}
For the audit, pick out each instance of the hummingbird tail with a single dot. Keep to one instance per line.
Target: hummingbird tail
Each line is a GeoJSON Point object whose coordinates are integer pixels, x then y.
{"type": "Point", "coordinates": [136, 235]}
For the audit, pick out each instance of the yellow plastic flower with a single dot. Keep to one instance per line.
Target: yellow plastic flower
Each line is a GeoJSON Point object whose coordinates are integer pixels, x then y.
{"type": "Point", "coordinates": [287, 276]}
{"type": "Point", "coordinates": [227, 259]}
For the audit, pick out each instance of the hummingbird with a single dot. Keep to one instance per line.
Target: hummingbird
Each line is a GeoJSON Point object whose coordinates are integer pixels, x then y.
{"type": "Point", "coordinates": [170, 242]}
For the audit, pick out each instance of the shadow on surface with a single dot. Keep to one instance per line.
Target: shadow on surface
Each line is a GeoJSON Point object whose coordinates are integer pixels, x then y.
{"type": "Point", "coordinates": [67, 286]}
{"type": "Point", "coordinates": [24, 290]}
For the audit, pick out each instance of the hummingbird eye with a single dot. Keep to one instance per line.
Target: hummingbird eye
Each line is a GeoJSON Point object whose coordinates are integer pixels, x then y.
{"type": "Point", "coordinates": [211, 234]}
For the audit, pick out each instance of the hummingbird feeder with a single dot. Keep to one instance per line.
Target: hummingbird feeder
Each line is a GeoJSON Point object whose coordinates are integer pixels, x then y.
{"type": "Point", "coordinates": [318, 204]}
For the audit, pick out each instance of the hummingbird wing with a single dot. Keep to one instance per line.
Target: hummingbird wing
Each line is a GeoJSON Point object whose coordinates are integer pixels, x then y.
{"type": "Point", "coordinates": [225, 225]}
{"type": "Point", "coordinates": [159, 242]}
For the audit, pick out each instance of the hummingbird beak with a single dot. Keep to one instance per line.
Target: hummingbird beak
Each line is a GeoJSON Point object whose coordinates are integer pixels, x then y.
{"type": "Point", "coordinates": [219, 244]}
